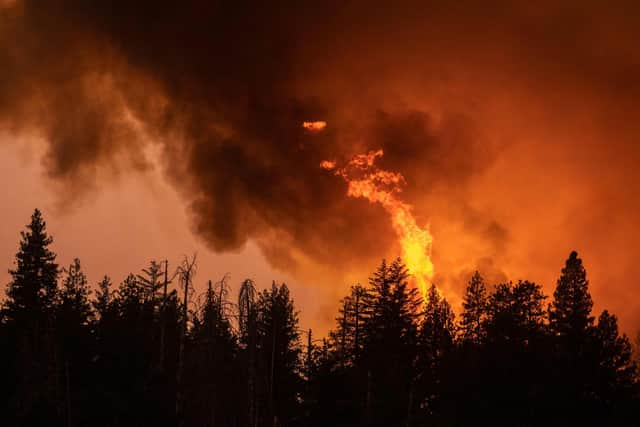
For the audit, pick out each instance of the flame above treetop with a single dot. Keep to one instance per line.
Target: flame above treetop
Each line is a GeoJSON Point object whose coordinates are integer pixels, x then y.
{"type": "Point", "coordinates": [366, 180]}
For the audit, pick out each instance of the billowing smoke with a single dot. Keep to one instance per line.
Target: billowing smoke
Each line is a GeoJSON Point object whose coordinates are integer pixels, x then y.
{"type": "Point", "coordinates": [453, 93]}
{"type": "Point", "coordinates": [215, 85]}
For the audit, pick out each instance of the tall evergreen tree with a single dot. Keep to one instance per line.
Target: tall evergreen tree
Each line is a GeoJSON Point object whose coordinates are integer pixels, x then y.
{"type": "Point", "coordinates": [151, 281]}
{"type": "Point", "coordinates": [130, 297]}
{"type": "Point", "coordinates": [436, 342]}
{"type": "Point", "coordinates": [103, 302]}
{"type": "Point", "coordinates": [570, 312]}
{"type": "Point", "coordinates": [132, 332]}
{"type": "Point", "coordinates": [31, 292]}
{"type": "Point", "coordinates": [73, 322]}
{"type": "Point", "coordinates": [73, 306]}
{"type": "Point", "coordinates": [212, 394]}
{"type": "Point", "coordinates": [348, 338]}
{"type": "Point", "coordinates": [615, 383]}
{"type": "Point", "coordinates": [437, 331]}
{"type": "Point", "coordinates": [391, 343]}
{"type": "Point", "coordinates": [339, 374]}
{"type": "Point", "coordinates": [514, 362]}
{"type": "Point", "coordinates": [575, 353]}
{"type": "Point", "coordinates": [393, 306]}
{"type": "Point", "coordinates": [29, 314]}
{"type": "Point", "coordinates": [278, 354]}
{"type": "Point", "coordinates": [474, 312]}
{"type": "Point", "coordinates": [468, 367]}
{"type": "Point", "coordinates": [516, 313]}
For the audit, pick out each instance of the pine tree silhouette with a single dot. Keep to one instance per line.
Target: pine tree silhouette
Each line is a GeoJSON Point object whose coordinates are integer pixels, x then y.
{"type": "Point", "coordinates": [571, 325]}
{"type": "Point", "coordinates": [29, 315]}
{"type": "Point", "coordinates": [278, 352]}
{"type": "Point", "coordinates": [391, 335]}
{"type": "Point", "coordinates": [570, 312]}
{"type": "Point", "coordinates": [436, 343]}
{"type": "Point", "coordinates": [73, 317]}
{"type": "Point", "coordinates": [474, 310]}
{"type": "Point", "coordinates": [616, 376]}
{"type": "Point", "coordinates": [32, 290]}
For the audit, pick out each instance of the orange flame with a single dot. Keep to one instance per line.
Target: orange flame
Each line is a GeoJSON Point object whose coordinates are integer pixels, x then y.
{"type": "Point", "coordinates": [316, 126]}
{"type": "Point", "coordinates": [327, 165]}
{"type": "Point", "coordinates": [380, 186]}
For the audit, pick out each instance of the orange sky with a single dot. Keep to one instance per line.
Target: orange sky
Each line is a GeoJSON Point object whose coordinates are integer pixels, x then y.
{"type": "Point", "coordinates": [155, 131]}
{"type": "Point", "coordinates": [120, 229]}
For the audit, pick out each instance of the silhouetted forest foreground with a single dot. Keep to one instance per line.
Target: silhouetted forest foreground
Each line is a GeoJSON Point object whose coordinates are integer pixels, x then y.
{"type": "Point", "coordinates": [149, 352]}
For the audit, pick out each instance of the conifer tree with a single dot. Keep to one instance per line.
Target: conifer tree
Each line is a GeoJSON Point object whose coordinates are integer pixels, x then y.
{"type": "Point", "coordinates": [31, 292]}
{"type": "Point", "coordinates": [348, 338]}
{"type": "Point", "coordinates": [151, 281]}
{"type": "Point", "coordinates": [278, 353]}
{"type": "Point", "coordinates": [106, 342]}
{"type": "Point", "coordinates": [29, 316]}
{"type": "Point", "coordinates": [513, 357]}
{"type": "Point", "coordinates": [210, 390]}
{"type": "Point", "coordinates": [575, 353]}
{"type": "Point", "coordinates": [437, 331]}
{"type": "Point", "coordinates": [74, 308]}
{"type": "Point", "coordinates": [73, 321]}
{"type": "Point", "coordinates": [103, 297]}
{"type": "Point", "coordinates": [436, 342]}
{"type": "Point", "coordinates": [528, 308]}
{"type": "Point", "coordinates": [391, 343]}
{"type": "Point", "coordinates": [130, 298]}
{"type": "Point", "coordinates": [516, 313]}
{"type": "Point", "coordinates": [616, 377]}
{"type": "Point", "coordinates": [393, 305]}
{"type": "Point", "coordinates": [474, 311]}
{"type": "Point", "coordinates": [570, 312]}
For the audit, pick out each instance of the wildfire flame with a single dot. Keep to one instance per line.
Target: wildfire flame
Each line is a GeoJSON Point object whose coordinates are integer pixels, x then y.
{"type": "Point", "coordinates": [316, 126]}
{"type": "Point", "coordinates": [367, 181]}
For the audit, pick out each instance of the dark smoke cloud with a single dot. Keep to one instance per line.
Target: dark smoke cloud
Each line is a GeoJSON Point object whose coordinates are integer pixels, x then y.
{"type": "Point", "coordinates": [211, 82]}
{"type": "Point", "coordinates": [222, 88]}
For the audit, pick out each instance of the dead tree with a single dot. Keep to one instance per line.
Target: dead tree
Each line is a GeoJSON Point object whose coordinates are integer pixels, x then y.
{"type": "Point", "coordinates": [186, 271]}
{"type": "Point", "coordinates": [247, 325]}
{"type": "Point", "coordinates": [163, 317]}
{"type": "Point", "coordinates": [309, 348]}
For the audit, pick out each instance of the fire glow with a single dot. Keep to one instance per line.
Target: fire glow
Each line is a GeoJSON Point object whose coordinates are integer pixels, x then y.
{"type": "Point", "coordinates": [366, 180]}
{"type": "Point", "coordinates": [316, 126]}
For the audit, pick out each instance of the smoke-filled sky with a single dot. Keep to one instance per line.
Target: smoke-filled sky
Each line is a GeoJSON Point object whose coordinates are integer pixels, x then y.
{"type": "Point", "coordinates": [153, 129]}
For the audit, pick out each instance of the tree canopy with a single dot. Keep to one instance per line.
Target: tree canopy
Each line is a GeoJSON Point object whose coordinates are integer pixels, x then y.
{"type": "Point", "coordinates": [151, 351]}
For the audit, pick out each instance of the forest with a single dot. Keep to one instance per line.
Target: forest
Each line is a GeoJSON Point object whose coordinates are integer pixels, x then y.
{"type": "Point", "coordinates": [149, 351]}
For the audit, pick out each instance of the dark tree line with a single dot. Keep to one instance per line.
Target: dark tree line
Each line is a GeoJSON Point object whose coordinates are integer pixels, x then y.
{"type": "Point", "coordinates": [150, 352]}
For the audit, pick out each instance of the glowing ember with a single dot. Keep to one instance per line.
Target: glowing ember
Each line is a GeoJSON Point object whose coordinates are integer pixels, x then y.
{"type": "Point", "coordinates": [327, 165]}
{"type": "Point", "coordinates": [380, 186]}
{"type": "Point", "coordinates": [314, 126]}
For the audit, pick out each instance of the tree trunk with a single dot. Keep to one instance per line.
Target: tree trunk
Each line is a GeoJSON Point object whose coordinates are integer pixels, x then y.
{"type": "Point", "coordinates": [273, 357]}
{"type": "Point", "coordinates": [344, 334]}
{"type": "Point", "coordinates": [163, 316]}
{"type": "Point", "coordinates": [410, 406]}
{"type": "Point", "coordinates": [309, 357]}
{"type": "Point", "coordinates": [357, 325]}
{"type": "Point", "coordinates": [179, 371]}
{"type": "Point", "coordinates": [368, 414]}
{"type": "Point", "coordinates": [68, 391]}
